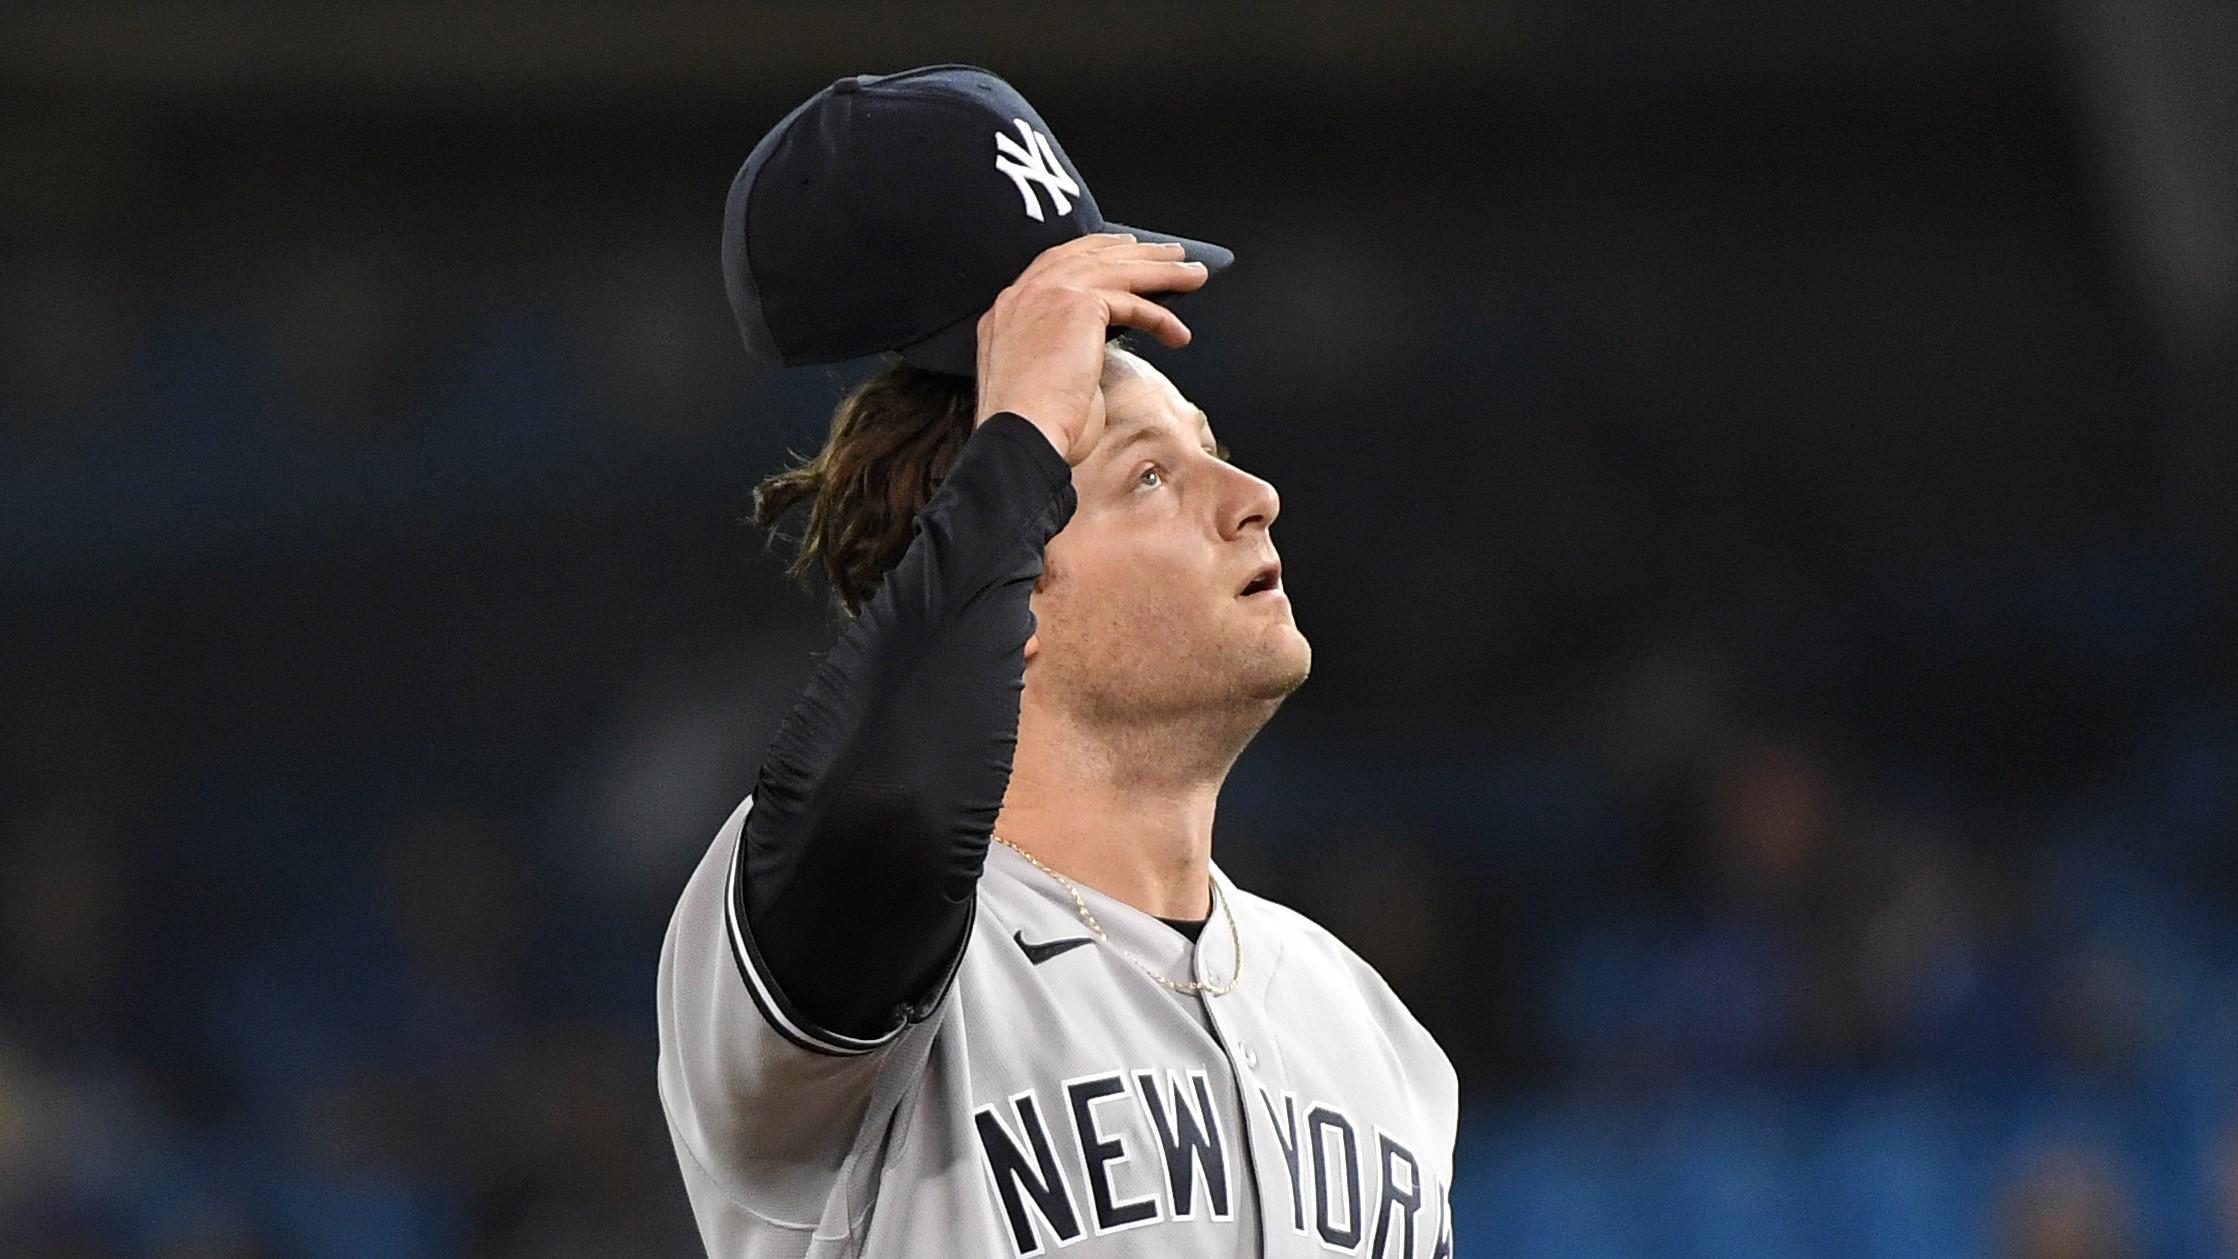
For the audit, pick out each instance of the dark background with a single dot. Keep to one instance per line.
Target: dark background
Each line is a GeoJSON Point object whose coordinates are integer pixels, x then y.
{"type": "Point", "coordinates": [1758, 480]}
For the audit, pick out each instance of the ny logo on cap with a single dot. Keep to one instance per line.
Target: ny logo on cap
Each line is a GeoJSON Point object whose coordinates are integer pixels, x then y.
{"type": "Point", "coordinates": [1034, 162]}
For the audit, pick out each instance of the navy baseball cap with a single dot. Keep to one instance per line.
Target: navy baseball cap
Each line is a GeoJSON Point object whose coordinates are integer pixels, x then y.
{"type": "Point", "coordinates": [887, 211]}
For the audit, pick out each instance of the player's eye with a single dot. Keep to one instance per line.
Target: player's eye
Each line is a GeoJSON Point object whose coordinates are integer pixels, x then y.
{"type": "Point", "coordinates": [1151, 470]}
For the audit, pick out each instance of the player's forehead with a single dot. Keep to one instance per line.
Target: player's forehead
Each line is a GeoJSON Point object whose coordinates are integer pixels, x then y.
{"type": "Point", "coordinates": [1141, 403]}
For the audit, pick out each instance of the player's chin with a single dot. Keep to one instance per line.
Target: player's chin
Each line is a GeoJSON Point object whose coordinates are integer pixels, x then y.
{"type": "Point", "coordinates": [1275, 685]}
{"type": "Point", "coordinates": [1281, 666]}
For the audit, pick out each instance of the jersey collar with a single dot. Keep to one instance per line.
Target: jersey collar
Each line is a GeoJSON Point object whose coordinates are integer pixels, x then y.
{"type": "Point", "coordinates": [1210, 960]}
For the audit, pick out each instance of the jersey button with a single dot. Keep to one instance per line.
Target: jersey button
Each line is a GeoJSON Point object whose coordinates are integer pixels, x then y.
{"type": "Point", "coordinates": [1250, 1056]}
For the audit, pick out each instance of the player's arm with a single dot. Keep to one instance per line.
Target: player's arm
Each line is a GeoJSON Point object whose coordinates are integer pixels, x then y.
{"type": "Point", "coordinates": [873, 805]}
{"type": "Point", "coordinates": [873, 808]}
{"type": "Point", "coordinates": [831, 909]}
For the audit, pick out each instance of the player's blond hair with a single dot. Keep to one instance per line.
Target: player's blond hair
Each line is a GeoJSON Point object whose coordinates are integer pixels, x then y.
{"type": "Point", "coordinates": [893, 438]}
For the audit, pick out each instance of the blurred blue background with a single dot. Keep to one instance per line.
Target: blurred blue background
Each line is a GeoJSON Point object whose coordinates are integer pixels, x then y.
{"type": "Point", "coordinates": [1758, 479]}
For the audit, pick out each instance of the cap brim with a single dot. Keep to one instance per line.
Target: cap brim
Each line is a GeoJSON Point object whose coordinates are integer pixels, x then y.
{"type": "Point", "coordinates": [955, 348]}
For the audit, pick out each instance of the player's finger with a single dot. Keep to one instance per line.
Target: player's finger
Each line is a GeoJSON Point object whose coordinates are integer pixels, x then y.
{"type": "Point", "coordinates": [1103, 247]}
{"type": "Point", "coordinates": [1156, 275]}
{"type": "Point", "coordinates": [1078, 246]}
{"type": "Point", "coordinates": [1129, 311]}
{"type": "Point", "coordinates": [1125, 247]}
{"type": "Point", "coordinates": [1136, 275]}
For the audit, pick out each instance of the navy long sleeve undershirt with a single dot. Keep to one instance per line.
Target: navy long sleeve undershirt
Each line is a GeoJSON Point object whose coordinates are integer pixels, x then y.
{"type": "Point", "coordinates": [875, 800]}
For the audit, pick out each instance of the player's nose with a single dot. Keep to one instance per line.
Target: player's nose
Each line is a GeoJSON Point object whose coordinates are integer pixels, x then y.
{"type": "Point", "coordinates": [1252, 501]}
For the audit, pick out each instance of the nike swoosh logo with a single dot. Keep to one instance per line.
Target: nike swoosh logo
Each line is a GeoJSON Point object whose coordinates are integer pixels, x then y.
{"type": "Point", "coordinates": [1039, 953]}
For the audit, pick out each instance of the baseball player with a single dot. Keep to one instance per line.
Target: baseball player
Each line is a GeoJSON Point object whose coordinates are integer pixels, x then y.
{"type": "Point", "coordinates": [960, 976]}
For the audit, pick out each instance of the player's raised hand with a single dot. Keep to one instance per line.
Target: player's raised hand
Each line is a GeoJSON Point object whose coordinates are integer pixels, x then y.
{"type": "Point", "coordinates": [1041, 344]}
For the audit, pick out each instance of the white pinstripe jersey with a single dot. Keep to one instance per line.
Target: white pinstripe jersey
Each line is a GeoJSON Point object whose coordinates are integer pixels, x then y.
{"type": "Point", "coordinates": [1058, 1099]}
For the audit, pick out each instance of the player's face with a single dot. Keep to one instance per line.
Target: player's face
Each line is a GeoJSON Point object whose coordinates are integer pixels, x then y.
{"type": "Point", "coordinates": [1139, 612]}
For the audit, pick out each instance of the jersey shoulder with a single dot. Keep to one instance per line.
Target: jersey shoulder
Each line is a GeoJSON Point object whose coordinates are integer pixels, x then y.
{"type": "Point", "coordinates": [1308, 943]}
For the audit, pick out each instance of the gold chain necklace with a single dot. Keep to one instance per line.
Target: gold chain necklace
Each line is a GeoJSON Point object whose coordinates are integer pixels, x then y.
{"type": "Point", "coordinates": [1191, 986]}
